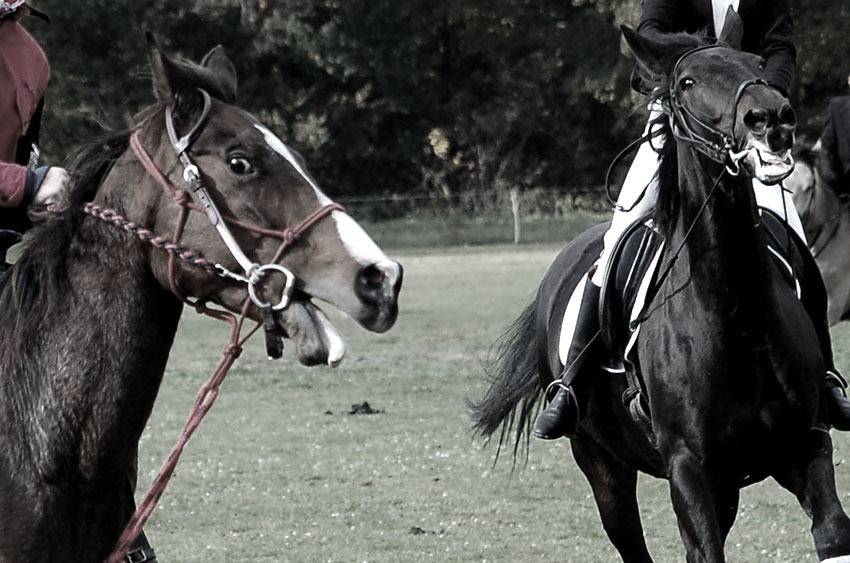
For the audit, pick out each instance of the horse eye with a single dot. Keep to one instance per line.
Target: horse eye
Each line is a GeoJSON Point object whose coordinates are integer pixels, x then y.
{"type": "Point", "coordinates": [239, 165]}
{"type": "Point", "coordinates": [686, 83]}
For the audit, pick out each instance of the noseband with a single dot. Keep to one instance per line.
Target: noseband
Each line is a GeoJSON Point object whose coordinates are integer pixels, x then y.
{"type": "Point", "coordinates": [688, 127]}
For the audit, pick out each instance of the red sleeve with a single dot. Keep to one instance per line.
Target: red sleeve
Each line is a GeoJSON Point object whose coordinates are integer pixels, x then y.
{"type": "Point", "coordinates": [13, 181]}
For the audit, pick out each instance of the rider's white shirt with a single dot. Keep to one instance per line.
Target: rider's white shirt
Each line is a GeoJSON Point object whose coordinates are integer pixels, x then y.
{"type": "Point", "coordinates": [720, 7]}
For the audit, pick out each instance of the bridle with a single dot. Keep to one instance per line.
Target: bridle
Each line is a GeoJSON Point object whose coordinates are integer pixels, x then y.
{"type": "Point", "coordinates": [717, 145]}
{"type": "Point", "coordinates": [686, 126]}
{"type": "Point", "coordinates": [252, 275]}
{"type": "Point", "coordinates": [252, 271]}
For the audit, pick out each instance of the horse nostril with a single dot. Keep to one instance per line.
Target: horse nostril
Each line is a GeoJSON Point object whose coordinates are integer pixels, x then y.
{"type": "Point", "coordinates": [787, 115]}
{"type": "Point", "coordinates": [373, 275]}
{"type": "Point", "coordinates": [756, 120]}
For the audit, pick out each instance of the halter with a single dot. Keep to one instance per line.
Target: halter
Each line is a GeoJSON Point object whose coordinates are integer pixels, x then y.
{"type": "Point", "coordinates": [712, 142]}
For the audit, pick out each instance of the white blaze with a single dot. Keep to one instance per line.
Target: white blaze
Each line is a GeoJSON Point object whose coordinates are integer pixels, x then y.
{"type": "Point", "coordinates": [359, 245]}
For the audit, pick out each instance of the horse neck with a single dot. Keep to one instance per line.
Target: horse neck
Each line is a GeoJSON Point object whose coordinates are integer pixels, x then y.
{"type": "Point", "coordinates": [94, 367]}
{"type": "Point", "coordinates": [717, 226]}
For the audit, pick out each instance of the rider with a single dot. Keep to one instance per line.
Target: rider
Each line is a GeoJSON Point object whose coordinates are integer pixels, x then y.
{"type": "Point", "coordinates": [834, 164]}
{"type": "Point", "coordinates": [24, 72]}
{"type": "Point", "coordinates": [768, 31]}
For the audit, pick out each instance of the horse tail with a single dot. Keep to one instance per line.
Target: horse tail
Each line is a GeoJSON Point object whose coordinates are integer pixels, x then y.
{"type": "Point", "coordinates": [514, 392]}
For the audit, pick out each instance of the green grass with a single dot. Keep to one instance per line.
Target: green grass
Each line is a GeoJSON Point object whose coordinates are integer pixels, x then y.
{"type": "Point", "coordinates": [280, 472]}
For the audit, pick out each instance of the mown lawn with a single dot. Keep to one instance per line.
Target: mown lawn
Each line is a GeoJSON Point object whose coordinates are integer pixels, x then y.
{"type": "Point", "coordinates": [281, 472]}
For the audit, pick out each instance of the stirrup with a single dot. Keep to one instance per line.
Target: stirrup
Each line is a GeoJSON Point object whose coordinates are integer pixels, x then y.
{"type": "Point", "coordinates": [838, 379]}
{"type": "Point", "coordinates": [559, 383]}
{"type": "Point", "coordinates": [568, 430]}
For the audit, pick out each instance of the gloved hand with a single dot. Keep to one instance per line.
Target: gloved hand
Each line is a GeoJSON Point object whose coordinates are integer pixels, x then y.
{"type": "Point", "coordinates": [49, 185]}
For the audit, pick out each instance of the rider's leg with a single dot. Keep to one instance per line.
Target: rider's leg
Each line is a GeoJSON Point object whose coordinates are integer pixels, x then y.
{"type": "Point", "coordinates": [814, 299]}
{"type": "Point", "coordinates": [581, 319]}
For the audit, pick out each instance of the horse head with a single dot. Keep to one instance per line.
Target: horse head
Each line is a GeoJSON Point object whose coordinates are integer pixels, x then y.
{"type": "Point", "coordinates": [718, 102]}
{"type": "Point", "coordinates": [275, 239]}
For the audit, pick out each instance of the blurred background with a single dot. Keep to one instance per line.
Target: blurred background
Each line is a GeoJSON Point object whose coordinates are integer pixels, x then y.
{"type": "Point", "coordinates": [409, 111]}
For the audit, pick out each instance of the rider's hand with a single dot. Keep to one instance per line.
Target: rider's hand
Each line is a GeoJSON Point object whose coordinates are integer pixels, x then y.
{"type": "Point", "coordinates": [51, 192]}
{"type": "Point", "coordinates": [46, 193]}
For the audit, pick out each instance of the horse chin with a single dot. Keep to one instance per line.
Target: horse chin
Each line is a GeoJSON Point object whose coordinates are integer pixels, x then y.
{"type": "Point", "coordinates": [767, 166]}
{"type": "Point", "coordinates": [316, 339]}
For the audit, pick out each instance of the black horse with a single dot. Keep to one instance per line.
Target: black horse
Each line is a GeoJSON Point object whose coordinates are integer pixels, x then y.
{"type": "Point", "coordinates": [727, 360]}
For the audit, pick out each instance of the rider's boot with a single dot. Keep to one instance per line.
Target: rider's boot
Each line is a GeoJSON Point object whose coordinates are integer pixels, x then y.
{"type": "Point", "coordinates": [561, 417]}
{"type": "Point", "coordinates": [836, 385]}
{"type": "Point", "coordinates": [814, 300]}
{"type": "Point", "coordinates": [839, 406]}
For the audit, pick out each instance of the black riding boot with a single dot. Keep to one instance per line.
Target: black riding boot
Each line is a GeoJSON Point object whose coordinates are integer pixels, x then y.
{"type": "Point", "coordinates": [814, 299]}
{"type": "Point", "coordinates": [839, 406]}
{"type": "Point", "coordinates": [561, 417]}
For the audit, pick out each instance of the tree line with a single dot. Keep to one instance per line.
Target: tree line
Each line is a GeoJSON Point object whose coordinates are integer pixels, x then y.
{"type": "Point", "coordinates": [416, 97]}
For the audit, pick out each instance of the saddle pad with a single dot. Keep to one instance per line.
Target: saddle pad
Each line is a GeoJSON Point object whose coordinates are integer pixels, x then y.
{"type": "Point", "coordinates": [627, 283]}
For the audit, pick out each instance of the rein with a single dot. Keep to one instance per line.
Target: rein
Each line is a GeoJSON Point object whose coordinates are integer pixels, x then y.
{"type": "Point", "coordinates": [721, 151]}
{"type": "Point", "coordinates": [252, 275]}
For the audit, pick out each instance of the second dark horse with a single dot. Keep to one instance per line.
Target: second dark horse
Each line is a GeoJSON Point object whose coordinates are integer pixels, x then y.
{"type": "Point", "coordinates": [729, 360]}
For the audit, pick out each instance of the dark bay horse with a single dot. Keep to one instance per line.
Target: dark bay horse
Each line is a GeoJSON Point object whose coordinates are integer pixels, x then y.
{"type": "Point", "coordinates": [826, 219]}
{"type": "Point", "coordinates": [91, 308]}
{"type": "Point", "coordinates": [727, 358]}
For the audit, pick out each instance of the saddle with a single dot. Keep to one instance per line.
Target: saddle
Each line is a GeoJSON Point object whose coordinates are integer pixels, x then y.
{"type": "Point", "coordinates": [631, 282]}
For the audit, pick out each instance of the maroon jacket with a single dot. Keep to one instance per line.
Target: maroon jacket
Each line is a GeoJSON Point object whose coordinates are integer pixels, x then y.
{"type": "Point", "coordinates": [24, 72]}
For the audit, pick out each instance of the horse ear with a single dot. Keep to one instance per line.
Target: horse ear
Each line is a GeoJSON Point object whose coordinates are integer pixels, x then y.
{"type": "Point", "coordinates": [221, 67]}
{"type": "Point", "coordinates": [649, 54]}
{"type": "Point", "coordinates": [733, 30]}
{"type": "Point", "coordinates": [164, 71]}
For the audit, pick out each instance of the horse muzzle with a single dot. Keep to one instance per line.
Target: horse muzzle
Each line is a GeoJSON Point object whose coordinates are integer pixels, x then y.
{"type": "Point", "coordinates": [767, 166]}
{"type": "Point", "coordinates": [378, 286]}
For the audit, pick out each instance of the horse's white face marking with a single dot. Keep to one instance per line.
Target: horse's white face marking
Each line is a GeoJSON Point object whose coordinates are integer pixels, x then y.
{"type": "Point", "coordinates": [358, 244]}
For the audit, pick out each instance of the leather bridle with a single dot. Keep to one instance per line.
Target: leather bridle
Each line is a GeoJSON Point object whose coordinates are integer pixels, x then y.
{"type": "Point", "coordinates": [252, 274]}
{"type": "Point", "coordinates": [685, 125]}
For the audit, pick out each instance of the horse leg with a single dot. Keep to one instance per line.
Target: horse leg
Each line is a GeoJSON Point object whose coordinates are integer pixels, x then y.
{"type": "Point", "coordinates": [695, 504]}
{"type": "Point", "coordinates": [727, 509]}
{"type": "Point", "coordinates": [614, 488]}
{"type": "Point", "coordinates": [810, 476]}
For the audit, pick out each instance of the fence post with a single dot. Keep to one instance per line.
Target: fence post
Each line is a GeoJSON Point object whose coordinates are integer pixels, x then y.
{"type": "Point", "coordinates": [515, 211]}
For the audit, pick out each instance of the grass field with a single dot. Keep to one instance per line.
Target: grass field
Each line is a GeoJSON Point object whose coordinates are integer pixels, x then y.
{"type": "Point", "coordinates": [280, 471]}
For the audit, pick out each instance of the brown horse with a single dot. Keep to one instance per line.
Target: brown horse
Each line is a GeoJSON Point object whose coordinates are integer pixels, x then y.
{"type": "Point", "coordinates": [90, 311]}
{"type": "Point", "coordinates": [826, 219]}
